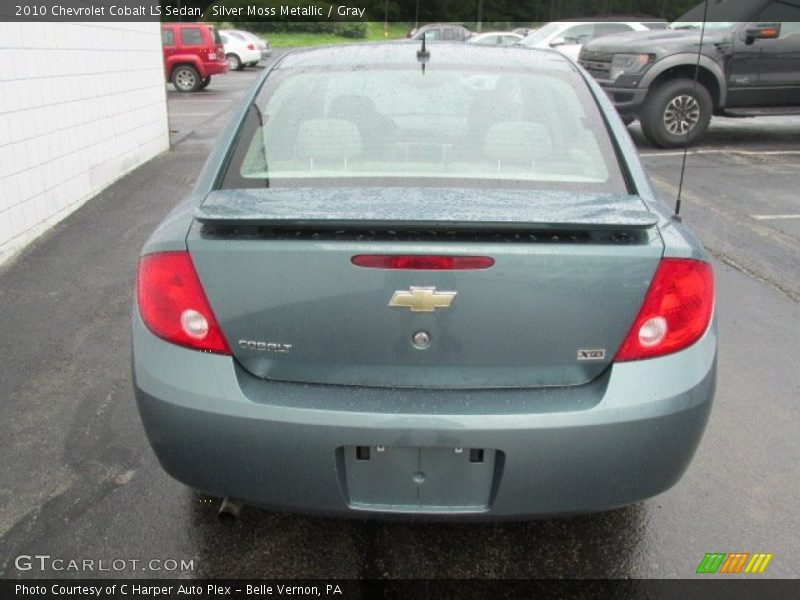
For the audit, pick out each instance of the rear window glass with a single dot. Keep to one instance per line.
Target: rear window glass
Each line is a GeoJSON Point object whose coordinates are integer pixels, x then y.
{"type": "Point", "coordinates": [191, 36]}
{"type": "Point", "coordinates": [460, 126]}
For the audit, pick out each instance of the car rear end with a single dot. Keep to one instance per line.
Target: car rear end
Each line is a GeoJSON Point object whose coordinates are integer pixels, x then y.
{"type": "Point", "coordinates": [213, 54]}
{"type": "Point", "coordinates": [262, 44]}
{"type": "Point", "coordinates": [265, 48]}
{"type": "Point", "coordinates": [251, 54]}
{"type": "Point", "coordinates": [450, 302]}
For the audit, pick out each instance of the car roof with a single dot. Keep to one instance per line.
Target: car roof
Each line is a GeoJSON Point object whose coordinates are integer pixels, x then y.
{"type": "Point", "coordinates": [184, 24]}
{"type": "Point", "coordinates": [405, 52]}
{"type": "Point", "coordinates": [615, 19]}
{"type": "Point", "coordinates": [485, 33]}
{"type": "Point", "coordinates": [434, 25]}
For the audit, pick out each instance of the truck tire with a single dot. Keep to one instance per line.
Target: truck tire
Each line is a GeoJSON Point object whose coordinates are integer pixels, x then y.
{"type": "Point", "coordinates": [185, 78]}
{"type": "Point", "coordinates": [204, 82]}
{"type": "Point", "coordinates": [675, 110]}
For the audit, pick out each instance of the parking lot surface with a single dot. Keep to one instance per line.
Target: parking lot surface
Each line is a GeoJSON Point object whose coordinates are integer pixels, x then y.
{"type": "Point", "coordinates": [189, 111]}
{"type": "Point", "coordinates": [80, 481]}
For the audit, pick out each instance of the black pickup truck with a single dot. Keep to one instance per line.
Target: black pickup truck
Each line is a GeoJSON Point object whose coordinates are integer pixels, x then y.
{"type": "Point", "coordinates": [748, 67]}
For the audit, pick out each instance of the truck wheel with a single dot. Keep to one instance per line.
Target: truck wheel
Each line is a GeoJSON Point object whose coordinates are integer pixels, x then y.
{"type": "Point", "coordinates": [204, 82]}
{"type": "Point", "coordinates": [674, 111]}
{"type": "Point", "coordinates": [185, 78]}
{"type": "Point", "coordinates": [234, 62]}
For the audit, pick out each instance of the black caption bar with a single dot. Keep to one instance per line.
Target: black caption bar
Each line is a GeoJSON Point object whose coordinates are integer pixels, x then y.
{"type": "Point", "coordinates": [198, 589]}
{"type": "Point", "coordinates": [405, 11]}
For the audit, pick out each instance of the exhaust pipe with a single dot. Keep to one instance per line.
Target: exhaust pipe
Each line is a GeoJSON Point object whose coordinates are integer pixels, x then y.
{"type": "Point", "coordinates": [229, 511]}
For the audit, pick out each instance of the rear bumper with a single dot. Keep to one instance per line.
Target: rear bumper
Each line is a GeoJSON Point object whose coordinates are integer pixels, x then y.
{"type": "Point", "coordinates": [214, 68]}
{"type": "Point", "coordinates": [627, 436]}
{"type": "Point", "coordinates": [247, 56]}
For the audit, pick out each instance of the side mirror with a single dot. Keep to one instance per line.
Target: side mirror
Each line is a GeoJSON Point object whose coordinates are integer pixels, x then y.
{"type": "Point", "coordinates": [559, 41]}
{"type": "Point", "coordinates": [762, 31]}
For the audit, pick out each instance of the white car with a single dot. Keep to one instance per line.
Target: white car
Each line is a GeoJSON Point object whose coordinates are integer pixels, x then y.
{"type": "Point", "coordinates": [568, 37]}
{"type": "Point", "coordinates": [262, 44]}
{"type": "Point", "coordinates": [239, 52]}
{"type": "Point", "coordinates": [496, 38]}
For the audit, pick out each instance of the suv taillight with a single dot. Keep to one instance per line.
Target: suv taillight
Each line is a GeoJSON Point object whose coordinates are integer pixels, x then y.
{"type": "Point", "coordinates": [251, 46]}
{"type": "Point", "coordinates": [173, 304]}
{"type": "Point", "coordinates": [676, 310]}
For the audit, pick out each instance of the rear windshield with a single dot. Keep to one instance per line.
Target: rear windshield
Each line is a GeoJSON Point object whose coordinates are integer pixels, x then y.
{"type": "Point", "coordinates": [191, 36]}
{"type": "Point", "coordinates": [454, 127]}
{"type": "Point", "coordinates": [539, 35]}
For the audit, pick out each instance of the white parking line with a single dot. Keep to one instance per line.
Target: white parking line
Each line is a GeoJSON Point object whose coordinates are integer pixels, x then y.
{"type": "Point", "coordinates": [725, 151]}
{"type": "Point", "coordinates": [775, 217]}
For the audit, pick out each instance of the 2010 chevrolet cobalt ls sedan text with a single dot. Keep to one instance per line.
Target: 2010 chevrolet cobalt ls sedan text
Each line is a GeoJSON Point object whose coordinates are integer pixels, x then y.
{"type": "Point", "coordinates": [419, 283]}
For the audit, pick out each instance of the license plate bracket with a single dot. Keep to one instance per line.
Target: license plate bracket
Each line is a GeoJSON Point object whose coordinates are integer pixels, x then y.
{"type": "Point", "coordinates": [419, 479]}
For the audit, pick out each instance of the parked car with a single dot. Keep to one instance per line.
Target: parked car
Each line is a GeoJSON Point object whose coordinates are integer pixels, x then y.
{"type": "Point", "coordinates": [261, 43]}
{"type": "Point", "coordinates": [441, 32]}
{"type": "Point", "coordinates": [239, 52]}
{"type": "Point", "coordinates": [748, 67]}
{"type": "Point", "coordinates": [193, 52]}
{"type": "Point", "coordinates": [442, 293]}
{"type": "Point", "coordinates": [495, 38]}
{"type": "Point", "coordinates": [568, 37]}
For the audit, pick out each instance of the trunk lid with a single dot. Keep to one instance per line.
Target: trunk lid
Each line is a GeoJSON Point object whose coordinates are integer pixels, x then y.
{"type": "Point", "coordinates": [569, 275]}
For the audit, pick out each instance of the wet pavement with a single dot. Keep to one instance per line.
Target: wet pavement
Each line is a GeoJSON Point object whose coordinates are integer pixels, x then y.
{"type": "Point", "coordinates": [79, 479]}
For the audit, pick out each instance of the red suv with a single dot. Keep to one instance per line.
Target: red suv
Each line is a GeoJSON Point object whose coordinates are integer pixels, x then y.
{"type": "Point", "coordinates": [193, 52]}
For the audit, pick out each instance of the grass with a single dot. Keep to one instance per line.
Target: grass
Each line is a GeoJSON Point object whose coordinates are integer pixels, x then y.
{"type": "Point", "coordinates": [375, 32]}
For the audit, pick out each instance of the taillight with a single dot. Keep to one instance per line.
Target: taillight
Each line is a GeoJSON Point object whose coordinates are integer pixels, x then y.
{"type": "Point", "coordinates": [251, 47]}
{"type": "Point", "coordinates": [173, 304]}
{"type": "Point", "coordinates": [421, 262]}
{"type": "Point", "coordinates": [675, 313]}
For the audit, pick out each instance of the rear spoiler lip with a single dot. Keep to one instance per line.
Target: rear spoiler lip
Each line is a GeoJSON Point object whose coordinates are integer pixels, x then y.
{"type": "Point", "coordinates": [477, 210]}
{"type": "Point", "coordinates": [405, 225]}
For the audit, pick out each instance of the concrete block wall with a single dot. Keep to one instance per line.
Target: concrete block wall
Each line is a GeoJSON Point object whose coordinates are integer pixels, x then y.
{"type": "Point", "coordinates": [80, 105]}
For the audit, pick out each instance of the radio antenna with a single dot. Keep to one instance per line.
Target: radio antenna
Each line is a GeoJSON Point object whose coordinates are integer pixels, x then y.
{"type": "Point", "coordinates": [423, 55]}
{"type": "Point", "coordinates": [677, 215]}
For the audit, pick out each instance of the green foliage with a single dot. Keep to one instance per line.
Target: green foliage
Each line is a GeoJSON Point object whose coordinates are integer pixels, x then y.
{"type": "Point", "coordinates": [353, 30]}
{"type": "Point", "coordinates": [375, 32]}
{"type": "Point", "coordinates": [534, 11]}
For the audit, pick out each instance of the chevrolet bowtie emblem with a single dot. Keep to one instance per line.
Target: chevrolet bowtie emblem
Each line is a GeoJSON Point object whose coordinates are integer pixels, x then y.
{"type": "Point", "coordinates": [422, 299]}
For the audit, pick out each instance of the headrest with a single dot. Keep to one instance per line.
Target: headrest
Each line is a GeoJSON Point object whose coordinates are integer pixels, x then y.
{"type": "Point", "coordinates": [351, 105]}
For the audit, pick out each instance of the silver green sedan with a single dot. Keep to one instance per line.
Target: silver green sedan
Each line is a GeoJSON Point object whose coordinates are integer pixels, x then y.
{"type": "Point", "coordinates": [432, 283]}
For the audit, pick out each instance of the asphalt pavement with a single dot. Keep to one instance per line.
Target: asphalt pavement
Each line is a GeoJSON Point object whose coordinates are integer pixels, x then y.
{"type": "Point", "coordinates": [79, 480]}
